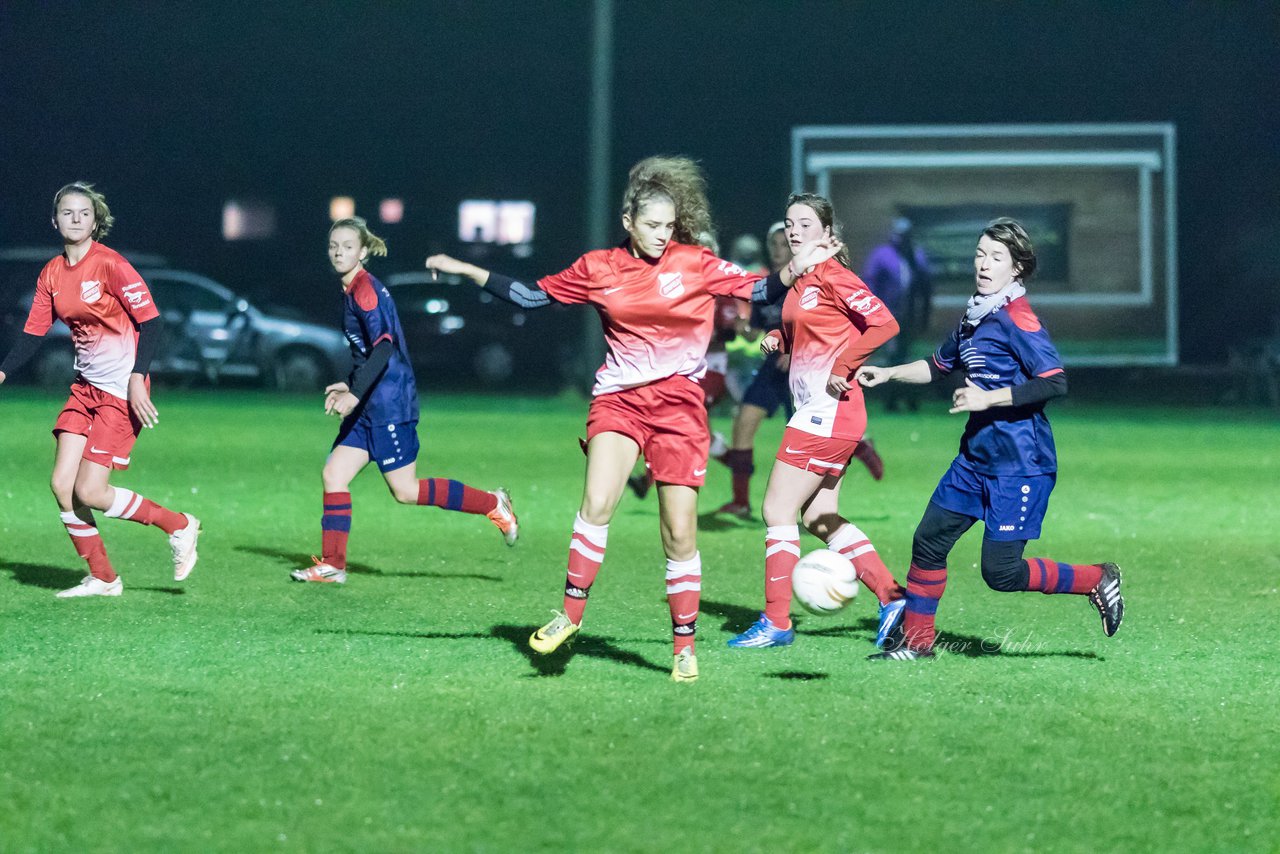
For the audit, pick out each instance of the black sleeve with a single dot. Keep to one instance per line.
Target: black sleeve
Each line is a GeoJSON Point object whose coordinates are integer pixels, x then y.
{"type": "Point", "coordinates": [509, 290]}
{"type": "Point", "coordinates": [1040, 390]}
{"type": "Point", "coordinates": [150, 332]}
{"type": "Point", "coordinates": [368, 373]}
{"type": "Point", "coordinates": [23, 349]}
{"type": "Point", "coordinates": [935, 373]}
{"type": "Point", "coordinates": [769, 290]}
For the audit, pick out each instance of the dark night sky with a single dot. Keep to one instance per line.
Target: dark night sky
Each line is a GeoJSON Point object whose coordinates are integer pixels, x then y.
{"type": "Point", "coordinates": [173, 108]}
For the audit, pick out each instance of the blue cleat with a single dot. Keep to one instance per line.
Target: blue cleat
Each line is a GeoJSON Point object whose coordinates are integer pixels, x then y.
{"type": "Point", "coordinates": [763, 634]}
{"type": "Point", "coordinates": [890, 617]}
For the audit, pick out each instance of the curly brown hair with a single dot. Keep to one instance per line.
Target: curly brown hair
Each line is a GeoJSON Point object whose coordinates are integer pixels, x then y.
{"type": "Point", "coordinates": [102, 218]}
{"type": "Point", "coordinates": [678, 180]}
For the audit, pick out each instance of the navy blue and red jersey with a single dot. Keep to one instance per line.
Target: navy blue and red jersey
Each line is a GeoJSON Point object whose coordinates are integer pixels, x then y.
{"type": "Point", "coordinates": [1008, 348]}
{"type": "Point", "coordinates": [368, 317]}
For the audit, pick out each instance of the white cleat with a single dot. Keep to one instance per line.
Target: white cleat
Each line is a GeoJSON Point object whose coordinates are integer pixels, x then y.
{"type": "Point", "coordinates": [93, 587]}
{"type": "Point", "coordinates": [183, 543]}
{"type": "Point", "coordinates": [504, 517]}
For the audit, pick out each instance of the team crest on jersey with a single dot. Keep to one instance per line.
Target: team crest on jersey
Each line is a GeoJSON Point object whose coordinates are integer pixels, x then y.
{"type": "Point", "coordinates": [861, 302]}
{"type": "Point", "coordinates": [671, 285]}
{"type": "Point", "coordinates": [90, 291]}
{"type": "Point", "coordinates": [809, 299]}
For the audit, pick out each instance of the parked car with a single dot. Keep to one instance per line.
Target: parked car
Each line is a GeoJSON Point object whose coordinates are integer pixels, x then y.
{"type": "Point", "coordinates": [211, 333]}
{"type": "Point", "coordinates": [459, 334]}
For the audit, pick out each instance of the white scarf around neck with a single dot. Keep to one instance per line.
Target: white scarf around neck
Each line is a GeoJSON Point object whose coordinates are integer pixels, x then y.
{"type": "Point", "coordinates": [981, 306]}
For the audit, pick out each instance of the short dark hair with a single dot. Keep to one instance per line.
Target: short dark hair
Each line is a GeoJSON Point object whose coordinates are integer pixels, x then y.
{"type": "Point", "coordinates": [1011, 233]}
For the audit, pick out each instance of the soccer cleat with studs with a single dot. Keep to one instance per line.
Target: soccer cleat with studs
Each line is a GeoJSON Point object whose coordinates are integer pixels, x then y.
{"type": "Point", "coordinates": [742, 511]}
{"type": "Point", "coordinates": [183, 545]}
{"type": "Point", "coordinates": [504, 517]}
{"type": "Point", "coordinates": [553, 635]}
{"type": "Point", "coordinates": [890, 618]}
{"type": "Point", "coordinates": [903, 653]}
{"type": "Point", "coordinates": [763, 634]}
{"type": "Point", "coordinates": [91, 586]}
{"type": "Point", "coordinates": [1107, 599]}
{"type": "Point", "coordinates": [640, 484]}
{"type": "Point", "coordinates": [320, 573]}
{"type": "Point", "coordinates": [685, 667]}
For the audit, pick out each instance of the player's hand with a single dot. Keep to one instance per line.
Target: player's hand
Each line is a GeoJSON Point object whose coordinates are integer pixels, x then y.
{"type": "Point", "coordinates": [870, 376]}
{"type": "Point", "coordinates": [769, 344]}
{"type": "Point", "coordinates": [813, 254]}
{"type": "Point", "coordinates": [970, 398]}
{"type": "Point", "coordinates": [837, 385]}
{"type": "Point", "coordinates": [140, 401]}
{"type": "Point", "coordinates": [340, 403]}
{"type": "Point", "coordinates": [2, 377]}
{"type": "Point", "coordinates": [446, 264]}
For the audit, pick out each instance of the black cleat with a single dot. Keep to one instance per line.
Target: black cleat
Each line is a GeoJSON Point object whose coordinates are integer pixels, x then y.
{"type": "Point", "coordinates": [1107, 599]}
{"type": "Point", "coordinates": [640, 484]}
{"type": "Point", "coordinates": [904, 653]}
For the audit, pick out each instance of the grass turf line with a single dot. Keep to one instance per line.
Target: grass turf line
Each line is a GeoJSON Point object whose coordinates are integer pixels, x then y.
{"type": "Point", "coordinates": [403, 711]}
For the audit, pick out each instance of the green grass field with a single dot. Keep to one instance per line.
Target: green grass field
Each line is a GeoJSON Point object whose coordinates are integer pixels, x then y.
{"type": "Point", "coordinates": [403, 712]}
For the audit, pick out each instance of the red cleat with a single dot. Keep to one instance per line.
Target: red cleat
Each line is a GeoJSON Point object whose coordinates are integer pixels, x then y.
{"type": "Point", "coordinates": [866, 454]}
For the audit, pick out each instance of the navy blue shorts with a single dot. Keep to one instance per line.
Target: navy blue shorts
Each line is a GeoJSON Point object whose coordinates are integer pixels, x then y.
{"type": "Point", "coordinates": [1012, 507]}
{"type": "Point", "coordinates": [391, 446]}
{"type": "Point", "coordinates": [769, 388]}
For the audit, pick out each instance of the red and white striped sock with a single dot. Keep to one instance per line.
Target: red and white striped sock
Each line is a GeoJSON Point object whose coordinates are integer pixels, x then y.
{"type": "Point", "coordinates": [84, 536]}
{"type": "Point", "coordinates": [684, 590]}
{"type": "Point", "coordinates": [849, 541]}
{"type": "Point", "coordinates": [133, 507]}
{"type": "Point", "coordinates": [586, 553]}
{"type": "Point", "coordinates": [781, 553]}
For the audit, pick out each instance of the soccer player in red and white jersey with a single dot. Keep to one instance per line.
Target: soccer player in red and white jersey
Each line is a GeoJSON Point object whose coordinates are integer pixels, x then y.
{"type": "Point", "coordinates": [115, 327]}
{"type": "Point", "coordinates": [831, 323]}
{"type": "Point", "coordinates": [655, 294]}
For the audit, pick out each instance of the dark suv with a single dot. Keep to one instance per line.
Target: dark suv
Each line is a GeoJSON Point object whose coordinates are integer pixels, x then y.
{"type": "Point", "coordinates": [210, 332]}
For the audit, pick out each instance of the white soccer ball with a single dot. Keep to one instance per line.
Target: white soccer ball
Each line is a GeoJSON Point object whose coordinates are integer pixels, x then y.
{"type": "Point", "coordinates": [824, 582]}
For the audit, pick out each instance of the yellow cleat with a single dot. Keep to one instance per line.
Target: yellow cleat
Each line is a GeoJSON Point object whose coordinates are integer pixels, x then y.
{"type": "Point", "coordinates": [552, 636]}
{"type": "Point", "coordinates": [685, 668]}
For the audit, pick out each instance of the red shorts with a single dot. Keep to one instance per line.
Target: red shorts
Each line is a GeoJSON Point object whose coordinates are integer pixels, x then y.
{"type": "Point", "coordinates": [667, 419]}
{"type": "Point", "coordinates": [817, 454]}
{"type": "Point", "coordinates": [104, 419]}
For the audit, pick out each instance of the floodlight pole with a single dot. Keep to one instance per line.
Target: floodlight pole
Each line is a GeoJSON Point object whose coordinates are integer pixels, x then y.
{"type": "Point", "coordinates": [600, 121]}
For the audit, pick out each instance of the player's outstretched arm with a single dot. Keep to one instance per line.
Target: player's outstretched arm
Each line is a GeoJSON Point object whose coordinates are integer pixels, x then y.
{"type": "Point", "coordinates": [916, 373]}
{"type": "Point", "coordinates": [449, 264]}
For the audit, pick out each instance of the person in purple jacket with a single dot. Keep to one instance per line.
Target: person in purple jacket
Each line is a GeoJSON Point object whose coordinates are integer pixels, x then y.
{"type": "Point", "coordinates": [1007, 465]}
{"type": "Point", "coordinates": [897, 271]}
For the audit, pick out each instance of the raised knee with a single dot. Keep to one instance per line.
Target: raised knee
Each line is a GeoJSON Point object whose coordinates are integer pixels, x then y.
{"type": "Point", "coordinates": [1003, 576]}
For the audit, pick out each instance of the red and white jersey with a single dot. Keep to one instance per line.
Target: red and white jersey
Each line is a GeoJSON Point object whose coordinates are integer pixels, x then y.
{"type": "Point", "coordinates": [101, 299]}
{"type": "Point", "coordinates": [657, 314]}
{"type": "Point", "coordinates": [826, 313]}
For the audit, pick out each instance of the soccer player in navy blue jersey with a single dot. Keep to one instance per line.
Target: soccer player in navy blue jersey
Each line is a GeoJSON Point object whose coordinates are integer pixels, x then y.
{"type": "Point", "coordinates": [1007, 463]}
{"type": "Point", "coordinates": [379, 409]}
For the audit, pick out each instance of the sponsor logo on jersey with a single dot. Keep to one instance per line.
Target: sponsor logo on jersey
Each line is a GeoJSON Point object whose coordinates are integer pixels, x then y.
{"type": "Point", "coordinates": [1006, 527]}
{"type": "Point", "coordinates": [861, 302]}
{"type": "Point", "coordinates": [136, 295]}
{"type": "Point", "coordinates": [608, 291]}
{"type": "Point", "coordinates": [699, 472]}
{"type": "Point", "coordinates": [388, 461]}
{"type": "Point", "coordinates": [815, 419]}
{"type": "Point", "coordinates": [671, 285]}
{"type": "Point", "coordinates": [91, 291]}
{"type": "Point", "coordinates": [809, 299]}
{"type": "Point", "coordinates": [729, 268]}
